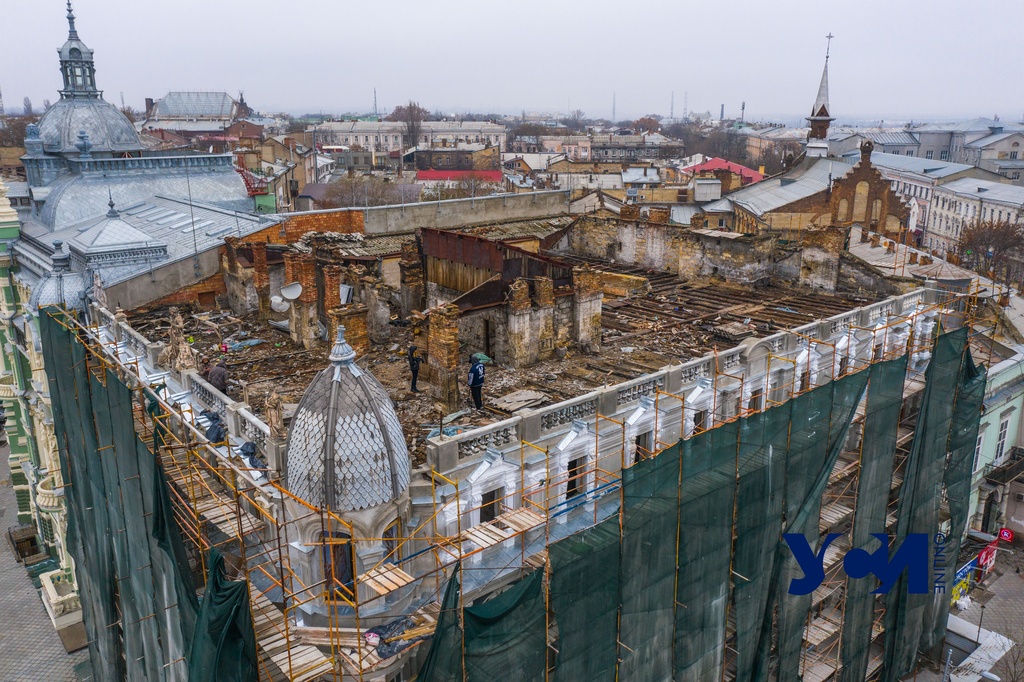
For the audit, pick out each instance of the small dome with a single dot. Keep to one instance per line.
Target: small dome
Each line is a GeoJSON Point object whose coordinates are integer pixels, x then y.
{"type": "Point", "coordinates": [108, 129]}
{"type": "Point", "coordinates": [371, 462]}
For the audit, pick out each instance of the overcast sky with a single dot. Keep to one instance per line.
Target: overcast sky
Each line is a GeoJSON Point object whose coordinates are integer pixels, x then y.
{"type": "Point", "coordinates": [891, 59]}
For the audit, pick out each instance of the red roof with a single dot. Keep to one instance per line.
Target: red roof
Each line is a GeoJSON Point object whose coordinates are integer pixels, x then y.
{"type": "Point", "coordinates": [449, 175]}
{"type": "Point", "coordinates": [749, 175]}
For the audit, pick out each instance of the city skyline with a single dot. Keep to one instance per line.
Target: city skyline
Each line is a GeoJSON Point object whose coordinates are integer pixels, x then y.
{"type": "Point", "coordinates": [347, 66]}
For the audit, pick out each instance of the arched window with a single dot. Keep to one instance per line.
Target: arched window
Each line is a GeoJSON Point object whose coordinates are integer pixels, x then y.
{"type": "Point", "coordinates": [337, 560]}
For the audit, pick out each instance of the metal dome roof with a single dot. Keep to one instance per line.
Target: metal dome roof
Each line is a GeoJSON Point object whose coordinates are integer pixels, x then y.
{"type": "Point", "coordinates": [346, 413]}
{"type": "Point", "coordinates": [108, 129]}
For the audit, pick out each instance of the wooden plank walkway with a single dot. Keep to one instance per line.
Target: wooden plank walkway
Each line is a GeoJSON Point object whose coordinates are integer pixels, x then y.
{"type": "Point", "coordinates": [283, 659]}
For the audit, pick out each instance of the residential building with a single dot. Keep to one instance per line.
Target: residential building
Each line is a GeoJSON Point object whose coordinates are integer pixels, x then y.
{"type": "Point", "coordinates": [957, 204]}
{"type": "Point", "coordinates": [388, 136]}
{"type": "Point", "coordinates": [948, 141]}
{"type": "Point", "coordinates": [915, 178]}
{"type": "Point", "coordinates": [192, 114]}
{"type": "Point", "coordinates": [465, 157]}
{"type": "Point", "coordinates": [1001, 152]}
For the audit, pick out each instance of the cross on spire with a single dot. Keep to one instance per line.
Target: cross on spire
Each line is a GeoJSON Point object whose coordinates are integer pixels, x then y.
{"type": "Point", "coordinates": [828, 47]}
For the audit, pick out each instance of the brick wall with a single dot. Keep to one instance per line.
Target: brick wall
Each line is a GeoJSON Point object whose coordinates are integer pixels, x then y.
{"type": "Point", "coordinates": [203, 293]}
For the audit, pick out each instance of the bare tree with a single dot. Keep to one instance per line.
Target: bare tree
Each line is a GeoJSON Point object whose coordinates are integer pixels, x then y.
{"type": "Point", "coordinates": [131, 113]}
{"type": "Point", "coordinates": [413, 116]}
{"type": "Point", "coordinates": [1011, 667]}
{"type": "Point", "coordinates": [46, 105]}
{"type": "Point", "coordinates": [993, 247]}
{"type": "Point", "coordinates": [12, 130]}
{"type": "Point", "coordinates": [365, 191]}
{"type": "Point", "coordinates": [574, 121]}
{"type": "Point", "coordinates": [26, 106]}
{"type": "Point", "coordinates": [469, 185]}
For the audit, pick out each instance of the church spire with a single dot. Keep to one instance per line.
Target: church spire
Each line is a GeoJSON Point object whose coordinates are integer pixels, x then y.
{"type": "Point", "coordinates": [820, 117]}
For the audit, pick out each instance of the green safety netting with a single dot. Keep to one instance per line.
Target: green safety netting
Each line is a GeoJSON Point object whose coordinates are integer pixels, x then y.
{"type": "Point", "coordinates": [878, 445]}
{"type": "Point", "coordinates": [585, 600]}
{"type": "Point", "coordinates": [650, 526]}
{"type": "Point", "coordinates": [920, 497]}
{"type": "Point", "coordinates": [963, 436]}
{"type": "Point", "coordinates": [707, 498]}
{"type": "Point", "coordinates": [224, 647]}
{"type": "Point", "coordinates": [138, 600]}
{"type": "Point", "coordinates": [821, 421]}
{"type": "Point", "coordinates": [763, 444]}
{"type": "Point", "coordinates": [504, 638]}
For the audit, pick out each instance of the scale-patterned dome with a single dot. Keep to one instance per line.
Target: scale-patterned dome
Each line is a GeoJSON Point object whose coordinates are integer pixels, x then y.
{"type": "Point", "coordinates": [346, 412]}
{"type": "Point", "coordinates": [108, 129]}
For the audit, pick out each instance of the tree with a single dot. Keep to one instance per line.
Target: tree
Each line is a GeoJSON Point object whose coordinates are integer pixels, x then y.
{"type": "Point", "coordinates": [364, 191]}
{"type": "Point", "coordinates": [413, 116]}
{"type": "Point", "coordinates": [26, 106]}
{"type": "Point", "coordinates": [574, 121]}
{"type": "Point", "coordinates": [131, 114]}
{"type": "Point", "coordinates": [46, 105]}
{"type": "Point", "coordinates": [772, 155]}
{"type": "Point", "coordinates": [993, 248]}
{"type": "Point", "coordinates": [12, 130]}
{"type": "Point", "coordinates": [648, 124]}
{"type": "Point", "coordinates": [469, 185]}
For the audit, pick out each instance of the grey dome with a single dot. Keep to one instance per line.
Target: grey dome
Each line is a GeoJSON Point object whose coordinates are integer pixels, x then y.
{"type": "Point", "coordinates": [109, 130]}
{"type": "Point", "coordinates": [370, 459]}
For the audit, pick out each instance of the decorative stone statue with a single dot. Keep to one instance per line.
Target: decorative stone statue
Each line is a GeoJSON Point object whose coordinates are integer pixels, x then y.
{"type": "Point", "coordinates": [275, 415]}
{"type": "Point", "coordinates": [178, 354]}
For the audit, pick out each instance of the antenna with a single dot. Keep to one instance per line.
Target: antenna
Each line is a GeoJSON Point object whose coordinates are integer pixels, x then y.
{"type": "Point", "coordinates": [375, 102]}
{"type": "Point", "coordinates": [122, 99]}
{"type": "Point", "coordinates": [743, 111]}
{"type": "Point", "coordinates": [613, 107]}
{"type": "Point", "coordinates": [672, 106]}
{"type": "Point", "coordinates": [685, 102]}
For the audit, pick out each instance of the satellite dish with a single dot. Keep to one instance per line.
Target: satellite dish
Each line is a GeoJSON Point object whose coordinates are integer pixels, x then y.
{"type": "Point", "coordinates": [291, 291]}
{"type": "Point", "coordinates": [278, 304]}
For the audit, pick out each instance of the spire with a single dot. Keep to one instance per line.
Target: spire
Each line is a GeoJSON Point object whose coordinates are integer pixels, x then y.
{"type": "Point", "coordinates": [72, 33]}
{"type": "Point", "coordinates": [821, 101]}
{"type": "Point", "coordinates": [76, 64]}
{"type": "Point", "coordinates": [112, 213]}
{"type": "Point", "coordinates": [342, 353]}
{"type": "Point", "coordinates": [820, 117]}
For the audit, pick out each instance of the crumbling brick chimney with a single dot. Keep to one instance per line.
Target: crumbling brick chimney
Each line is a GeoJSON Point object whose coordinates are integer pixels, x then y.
{"type": "Point", "coordinates": [913, 258]}
{"type": "Point", "coordinates": [875, 239]}
{"type": "Point", "coordinates": [658, 214]}
{"type": "Point", "coordinates": [864, 235]}
{"type": "Point", "coordinates": [629, 212]}
{"type": "Point", "coordinates": [587, 295]}
{"type": "Point", "coordinates": [301, 268]}
{"type": "Point", "coordinates": [443, 355]}
{"type": "Point", "coordinates": [261, 277]}
{"type": "Point", "coordinates": [410, 267]}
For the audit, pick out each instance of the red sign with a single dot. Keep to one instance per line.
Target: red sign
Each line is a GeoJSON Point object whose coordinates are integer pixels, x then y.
{"type": "Point", "coordinates": [1006, 535]}
{"type": "Point", "coordinates": [987, 557]}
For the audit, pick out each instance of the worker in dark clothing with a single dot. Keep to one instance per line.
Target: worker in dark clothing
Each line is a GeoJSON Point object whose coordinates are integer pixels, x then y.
{"type": "Point", "coordinates": [414, 367]}
{"type": "Point", "coordinates": [219, 376]}
{"type": "Point", "coordinates": [476, 381]}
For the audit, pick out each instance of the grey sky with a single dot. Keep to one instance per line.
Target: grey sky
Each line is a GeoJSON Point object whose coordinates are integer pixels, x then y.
{"type": "Point", "coordinates": [890, 58]}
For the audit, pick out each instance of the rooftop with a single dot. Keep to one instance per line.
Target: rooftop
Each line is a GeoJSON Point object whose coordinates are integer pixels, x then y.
{"type": "Point", "coordinates": [911, 164]}
{"type": "Point", "coordinates": [986, 190]}
{"type": "Point", "coordinates": [810, 177]}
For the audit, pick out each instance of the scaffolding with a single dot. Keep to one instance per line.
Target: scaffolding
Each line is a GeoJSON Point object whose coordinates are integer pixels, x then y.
{"type": "Point", "coordinates": [222, 503]}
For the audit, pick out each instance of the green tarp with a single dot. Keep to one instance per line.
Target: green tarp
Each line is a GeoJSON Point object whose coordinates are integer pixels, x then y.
{"type": "Point", "coordinates": [920, 497]}
{"type": "Point", "coordinates": [878, 445]}
{"type": "Point", "coordinates": [585, 600]}
{"type": "Point", "coordinates": [504, 637]}
{"type": "Point", "coordinates": [138, 602]}
{"type": "Point", "coordinates": [224, 647]}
